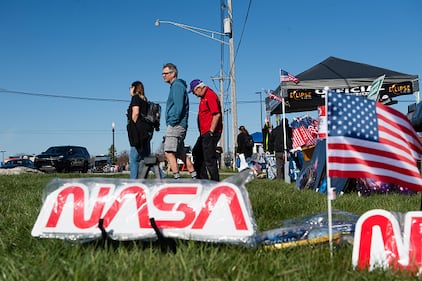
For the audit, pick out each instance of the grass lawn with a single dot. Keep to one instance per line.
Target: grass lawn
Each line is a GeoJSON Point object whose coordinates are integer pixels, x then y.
{"type": "Point", "coordinates": [23, 257]}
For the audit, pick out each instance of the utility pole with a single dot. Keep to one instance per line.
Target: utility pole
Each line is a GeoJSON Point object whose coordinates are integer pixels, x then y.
{"type": "Point", "coordinates": [260, 106]}
{"type": "Point", "coordinates": [222, 84]}
{"type": "Point", "coordinates": [2, 152]}
{"type": "Point", "coordinates": [221, 81]}
{"type": "Point", "coordinates": [113, 149]}
{"type": "Point", "coordinates": [232, 82]}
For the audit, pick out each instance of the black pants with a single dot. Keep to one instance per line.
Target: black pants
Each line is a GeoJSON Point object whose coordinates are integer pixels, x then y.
{"type": "Point", "coordinates": [279, 162]}
{"type": "Point", "coordinates": [205, 156]}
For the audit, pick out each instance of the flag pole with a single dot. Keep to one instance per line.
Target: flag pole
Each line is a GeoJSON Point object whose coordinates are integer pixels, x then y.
{"type": "Point", "coordinates": [286, 163]}
{"type": "Point", "coordinates": [330, 191]}
{"type": "Point", "coordinates": [283, 107]}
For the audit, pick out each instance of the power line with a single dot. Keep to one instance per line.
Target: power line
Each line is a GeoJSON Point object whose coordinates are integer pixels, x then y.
{"type": "Point", "coordinates": [61, 96]}
{"type": "Point", "coordinates": [45, 95]}
{"type": "Point", "coordinates": [243, 28]}
{"type": "Point", "coordinates": [56, 132]}
{"type": "Point", "coordinates": [240, 38]}
{"type": "Point", "coordinates": [107, 99]}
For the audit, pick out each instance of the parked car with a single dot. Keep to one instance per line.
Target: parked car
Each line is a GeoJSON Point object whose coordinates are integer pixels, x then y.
{"type": "Point", "coordinates": [67, 158]}
{"type": "Point", "coordinates": [102, 164]}
{"type": "Point", "coordinates": [18, 162]}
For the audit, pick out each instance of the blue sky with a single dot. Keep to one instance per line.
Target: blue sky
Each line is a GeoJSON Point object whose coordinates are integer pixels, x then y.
{"type": "Point", "coordinates": [93, 50]}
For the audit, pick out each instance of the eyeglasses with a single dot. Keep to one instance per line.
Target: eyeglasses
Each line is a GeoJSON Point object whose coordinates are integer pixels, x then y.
{"type": "Point", "coordinates": [165, 73]}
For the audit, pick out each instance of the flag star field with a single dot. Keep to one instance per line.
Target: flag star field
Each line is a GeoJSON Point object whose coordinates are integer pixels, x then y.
{"type": "Point", "coordinates": [352, 117]}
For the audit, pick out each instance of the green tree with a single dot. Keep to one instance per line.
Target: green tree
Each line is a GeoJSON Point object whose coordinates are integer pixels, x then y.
{"type": "Point", "coordinates": [112, 154]}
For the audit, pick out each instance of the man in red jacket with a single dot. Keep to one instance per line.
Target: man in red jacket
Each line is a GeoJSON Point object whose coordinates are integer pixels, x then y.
{"type": "Point", "coordinates": [210, 126]}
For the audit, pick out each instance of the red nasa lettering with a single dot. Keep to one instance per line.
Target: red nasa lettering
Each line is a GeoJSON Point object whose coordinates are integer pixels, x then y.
{"type": "Point", "coordinates": [379, 241]}
{"type": "Point", "coordinates": [77, 196]}
{"type": "Point", "coordinates": [236, 210]}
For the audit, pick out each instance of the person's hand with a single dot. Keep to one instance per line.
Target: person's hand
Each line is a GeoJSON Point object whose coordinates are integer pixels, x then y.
{"type": "Point", "coordinates": [208, 134]}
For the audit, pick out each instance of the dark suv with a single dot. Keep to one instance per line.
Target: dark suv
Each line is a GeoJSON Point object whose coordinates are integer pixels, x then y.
{"type": "Point", "coordinates": [63, 159]}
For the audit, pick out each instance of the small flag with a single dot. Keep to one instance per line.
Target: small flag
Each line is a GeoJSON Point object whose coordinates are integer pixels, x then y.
{"type": "Point", "coordinates": [287, 77]}
{"type": "Point", "coordinates": [302, 136]}
{"type": "Point", "coordinates": [367, 139]}
{"type": "Point", "coordinates": [275, 97]}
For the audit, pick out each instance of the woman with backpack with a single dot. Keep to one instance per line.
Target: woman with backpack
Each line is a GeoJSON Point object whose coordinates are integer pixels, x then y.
{"type": "Point", "coordinates": [245, 144]}
{"type": "Point", "coordinates": [139, 130]}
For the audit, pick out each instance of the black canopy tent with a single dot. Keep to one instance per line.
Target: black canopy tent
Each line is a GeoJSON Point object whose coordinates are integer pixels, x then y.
{"type": "Point", "coordinates": [342, 76]}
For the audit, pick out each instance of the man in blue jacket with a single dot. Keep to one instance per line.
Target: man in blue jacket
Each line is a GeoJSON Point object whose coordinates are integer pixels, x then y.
{"type": "Point", "coordinates": [177, 114]}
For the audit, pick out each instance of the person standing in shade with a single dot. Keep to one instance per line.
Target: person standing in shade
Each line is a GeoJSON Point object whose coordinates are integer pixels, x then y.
{"type": "Point", "coordinates": [210, 126]}
{"type": "Point", "coordinates": [279, 148]}
{"type": "Point", "coordinates": [266, 132]}
{"type": "Point", "coordinates": [244, 144]}
{"type": "Point", "coordinates": [139, 131]}
{"type": "Point", "coordinates": [177, 114]}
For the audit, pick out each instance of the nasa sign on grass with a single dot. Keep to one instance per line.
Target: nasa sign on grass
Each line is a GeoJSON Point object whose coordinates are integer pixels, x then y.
{"type": "Point", "coordinates": [187, 209]}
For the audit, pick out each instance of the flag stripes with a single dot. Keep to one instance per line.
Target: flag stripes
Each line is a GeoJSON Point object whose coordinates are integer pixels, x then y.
{"type": "Point", "coordinates": [370, 140]}
{"type": "Point", "coordinates": [287, 77]}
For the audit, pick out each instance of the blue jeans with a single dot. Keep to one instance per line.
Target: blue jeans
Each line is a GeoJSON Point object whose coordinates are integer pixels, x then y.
{"type": "Point", "coordinates": [136, 159]}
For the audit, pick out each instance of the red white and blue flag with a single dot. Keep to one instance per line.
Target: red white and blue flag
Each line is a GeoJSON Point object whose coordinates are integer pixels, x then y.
{"type": "Point", "coordinates": [302, 136]}
{"type": "Point", "coordinates": [305, 131]}
{"type": "Point", "coordinates": [367, 139]}
{"type": "Point", "coordinates": [287, 77]}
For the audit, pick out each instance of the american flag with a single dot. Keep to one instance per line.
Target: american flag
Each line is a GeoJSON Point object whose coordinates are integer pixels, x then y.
{"type": "Point", "coordinates": [286, 77]}
{"type": "Point", "coordinates": [303, 136]}
{"type": "Point", "coordinates": [367, 139]}
{"type": "Point", "coordinates": [275, 97]}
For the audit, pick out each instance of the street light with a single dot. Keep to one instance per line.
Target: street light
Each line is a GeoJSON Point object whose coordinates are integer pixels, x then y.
{"type": "Point", "coordinates": [112, 147]}
{"type": "Point", "coordinates": [194, 29]}
{"type": "Point", "coordinates": [211, 35]}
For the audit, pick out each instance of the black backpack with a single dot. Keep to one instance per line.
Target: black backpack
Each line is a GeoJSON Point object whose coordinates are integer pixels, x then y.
{"type": "Point", "coordinates": [153, 115]}
{"type": "Point", "coordinates": [249, 142]}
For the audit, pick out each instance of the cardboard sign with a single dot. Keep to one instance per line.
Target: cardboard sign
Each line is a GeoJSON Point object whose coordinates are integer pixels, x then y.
{"type": "Point", "coordinates": [188, 209]}
{"type": "Point", "coordinates": [382, 240]}
{"type": "Point", "coordinates": [322, 122]}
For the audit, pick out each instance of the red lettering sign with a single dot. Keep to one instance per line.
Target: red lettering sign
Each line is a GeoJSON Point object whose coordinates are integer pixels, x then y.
{"type": "Point", "coordinates": [234, 204]}
{"type": "Point", "coordinates": [379, 241]}
{"type": "Point", "coordinates": [182, 209]}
